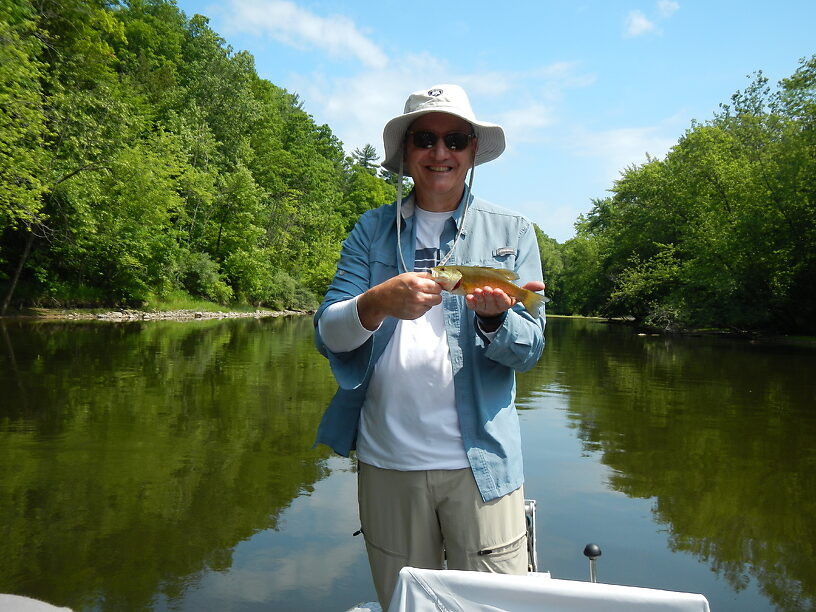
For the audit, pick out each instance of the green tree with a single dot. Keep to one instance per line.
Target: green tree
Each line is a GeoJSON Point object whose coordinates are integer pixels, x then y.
{"type": "Point", "coordinates": [23, 155]}
{"type": "Point", "coordinates": [22, 118]}
{"type": "Point", "coordinates": [142, 156]}
{"type": "Point", "coordinates": [367, 158]}
{"type": "Point", "coordinates": [583, 285]}
{"type": "Point", "coordinates": [364, 191]}
{"type": "Point", "coordinates": [721, 231]}
{"type": "Point", "coordinates": [552, 265]}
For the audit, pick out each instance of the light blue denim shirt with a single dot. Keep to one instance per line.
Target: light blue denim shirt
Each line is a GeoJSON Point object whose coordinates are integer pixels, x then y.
{"type": "Point", "coordinates": [483, 371]}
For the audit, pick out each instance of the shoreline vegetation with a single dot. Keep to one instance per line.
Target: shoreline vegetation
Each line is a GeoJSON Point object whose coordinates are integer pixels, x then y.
{"type": "Point", "coordinates": [129, 314]}
{"type": "Point", "coordinates": [205, 313]}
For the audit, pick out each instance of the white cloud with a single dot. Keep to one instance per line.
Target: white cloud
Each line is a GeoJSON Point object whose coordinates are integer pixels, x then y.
{"type": "Point", "coordinates": [623, 147]}
{"type": "Point", "coordinates": [558, 220]}
{"type": "Point", "coordinates": [304, 552]}
{"type": "Point", "coordinates": [533, 116]}
{"type": "Point", "coordinates": [357, 107]}
{"type": "Point", "coordinates": [667, 8]}
{"type": "Point", "coordinates": [522, 124]}
{"type": "Point", "coordinates": [638, 24]}
{"type": "Point", "coordinates": [295, 26]}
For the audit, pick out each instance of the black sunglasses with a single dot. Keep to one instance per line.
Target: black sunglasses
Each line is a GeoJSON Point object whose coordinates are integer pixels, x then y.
{"type": "Point", "coordinates": [455, 141]}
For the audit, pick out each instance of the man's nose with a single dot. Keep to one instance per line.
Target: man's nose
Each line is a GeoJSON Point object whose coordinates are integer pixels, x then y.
{"type": "Point", "coordinates": [439, 149]}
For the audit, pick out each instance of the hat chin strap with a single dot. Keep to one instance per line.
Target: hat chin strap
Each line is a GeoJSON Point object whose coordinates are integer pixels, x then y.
{"type": "Point", "coordinates": [448, 255]}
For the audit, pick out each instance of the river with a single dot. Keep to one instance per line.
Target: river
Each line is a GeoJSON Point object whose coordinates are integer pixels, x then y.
{"type": "Point", "coordinates": [170, 466]}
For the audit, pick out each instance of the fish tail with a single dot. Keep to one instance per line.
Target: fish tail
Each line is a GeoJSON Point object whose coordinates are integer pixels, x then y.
{"type": "Point", "coordinates": [533, 303]}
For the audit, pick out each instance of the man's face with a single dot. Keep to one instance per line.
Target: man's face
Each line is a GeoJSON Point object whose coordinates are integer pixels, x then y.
{"type": "Point", "coordinates": [439, 172]}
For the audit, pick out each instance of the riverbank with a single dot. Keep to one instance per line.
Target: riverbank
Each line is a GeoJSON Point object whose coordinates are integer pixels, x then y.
{"type": "Point", "coordinates": [751, 336]}
{"type": "Point", "coordinates": [126, 315]}
{"type": "Point", "coordinates": [192, 314]}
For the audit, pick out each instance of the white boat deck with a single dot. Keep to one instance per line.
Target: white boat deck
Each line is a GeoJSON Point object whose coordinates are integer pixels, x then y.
{"type": "Point", "coordinates": [420, 590]}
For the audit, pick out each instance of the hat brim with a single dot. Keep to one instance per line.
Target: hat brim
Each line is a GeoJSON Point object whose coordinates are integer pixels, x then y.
{"type": "Point", "coordinates": [489, 135]}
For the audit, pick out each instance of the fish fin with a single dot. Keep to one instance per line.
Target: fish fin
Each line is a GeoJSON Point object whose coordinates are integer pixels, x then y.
{"type": "Point", "coordinates": [534, 302]}
{"type": "Point", "coordinates": [508, 274]}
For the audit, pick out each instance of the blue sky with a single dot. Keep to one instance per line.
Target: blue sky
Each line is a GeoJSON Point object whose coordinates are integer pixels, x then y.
{"type": "Point", "coordinates": [583, 89]}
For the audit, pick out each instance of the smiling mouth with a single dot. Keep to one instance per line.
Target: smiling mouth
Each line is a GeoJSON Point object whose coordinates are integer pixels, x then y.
{"type": "Point", "coordinates": [439, 168]}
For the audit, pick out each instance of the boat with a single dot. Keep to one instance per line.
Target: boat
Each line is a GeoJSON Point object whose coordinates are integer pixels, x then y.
{"type": "Point", "coordinates": [18, 603]}
{"type": "Point", "coordinates": [423, 590]}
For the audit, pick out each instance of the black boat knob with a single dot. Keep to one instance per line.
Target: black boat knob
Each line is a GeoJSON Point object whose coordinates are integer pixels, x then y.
{"type": "Point", "coordinates": [593, 551]}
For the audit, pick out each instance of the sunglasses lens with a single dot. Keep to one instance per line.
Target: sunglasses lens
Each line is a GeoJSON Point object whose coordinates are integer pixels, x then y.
{"type": "Point", "coordinates": [456, 141]}
{"type": "Point", "coordinates": [424, 140]}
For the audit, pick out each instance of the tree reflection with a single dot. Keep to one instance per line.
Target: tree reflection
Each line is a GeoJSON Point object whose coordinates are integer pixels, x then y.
{"type": "Point", "coordinates": [720, 434]}
{"type": "Point", "coordinates": [134, 457]}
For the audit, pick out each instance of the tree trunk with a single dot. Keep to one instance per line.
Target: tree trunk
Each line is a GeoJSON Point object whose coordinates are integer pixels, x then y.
{"type": "Point", "coordinates": [17, 272]}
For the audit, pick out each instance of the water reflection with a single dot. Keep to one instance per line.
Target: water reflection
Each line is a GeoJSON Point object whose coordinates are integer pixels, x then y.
{"type": "Point", "coordinates": [169, 466]}
{"type": "Point", "coordinates": [134, 458]}
{"type": "Point", "coordinates": [720, 435]}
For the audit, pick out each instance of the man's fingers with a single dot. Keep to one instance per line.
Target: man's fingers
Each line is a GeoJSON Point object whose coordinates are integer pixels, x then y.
{"type": "Point", "coordinates": [489, 302]}
{"type": "Point", "coordinates": [535, 286]}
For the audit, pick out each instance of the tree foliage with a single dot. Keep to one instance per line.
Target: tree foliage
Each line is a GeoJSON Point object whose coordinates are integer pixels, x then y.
{"type": "Point", "coordinates": [22, 118]}
{"type": "Point", "coordinates": [719, 233]}
{"type": "Point", "coordinates": [141, 156]}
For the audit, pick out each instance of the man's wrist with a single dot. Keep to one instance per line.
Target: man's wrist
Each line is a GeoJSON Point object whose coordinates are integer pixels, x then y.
{"type": "Point", "coordinates": [368, 310]}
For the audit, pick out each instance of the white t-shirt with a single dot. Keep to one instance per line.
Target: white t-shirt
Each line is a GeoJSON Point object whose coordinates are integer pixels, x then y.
{"type": "Point", "coordinates": [409, 419]}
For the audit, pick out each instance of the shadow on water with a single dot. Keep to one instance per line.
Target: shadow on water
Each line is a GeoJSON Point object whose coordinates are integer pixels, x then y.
{"type": "Point", "coordinates": [134, 457]}
{"type": "Point", "coordinates": [719, 434]}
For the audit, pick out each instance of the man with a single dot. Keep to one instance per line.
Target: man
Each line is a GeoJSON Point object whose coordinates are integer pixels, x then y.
{"type": "Point", "coordinates": [426, 378]}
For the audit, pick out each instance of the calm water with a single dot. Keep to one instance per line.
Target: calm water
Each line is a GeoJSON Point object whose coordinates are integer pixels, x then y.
{"type": "Point", "coordinates": [169, 466]}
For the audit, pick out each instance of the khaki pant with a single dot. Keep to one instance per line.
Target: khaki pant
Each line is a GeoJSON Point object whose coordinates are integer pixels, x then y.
{"type": "Point", "coordinates": [420, 518]}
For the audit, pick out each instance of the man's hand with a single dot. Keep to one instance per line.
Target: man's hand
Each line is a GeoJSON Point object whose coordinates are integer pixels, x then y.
{"type": "Point", "coordinates": [407, 296]}
{"type": "Point", "coordinates": [488, 302]}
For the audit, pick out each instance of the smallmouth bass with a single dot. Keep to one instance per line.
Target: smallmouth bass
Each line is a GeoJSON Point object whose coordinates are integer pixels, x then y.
{"type": "Point", "coordinates": [461, 280]}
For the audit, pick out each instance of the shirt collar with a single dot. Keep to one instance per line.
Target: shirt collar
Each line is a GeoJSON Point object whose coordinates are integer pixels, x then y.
{"type": "Point", "coordinates": [409, 207]}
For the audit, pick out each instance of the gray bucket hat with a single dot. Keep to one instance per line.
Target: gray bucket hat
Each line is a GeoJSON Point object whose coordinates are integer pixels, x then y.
{"type": "Point", "coordinates": [446, 98]}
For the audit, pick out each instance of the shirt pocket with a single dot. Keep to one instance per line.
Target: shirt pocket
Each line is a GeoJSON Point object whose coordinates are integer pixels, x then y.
{"type": "Point", "coordinates": [382, 268]}
{"type": "Point", "coordinates": [499, 257]}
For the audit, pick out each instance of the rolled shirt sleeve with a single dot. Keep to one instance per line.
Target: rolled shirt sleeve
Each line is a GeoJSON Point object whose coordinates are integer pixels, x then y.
{"type": "Point", "coordinates": [340, 327]}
